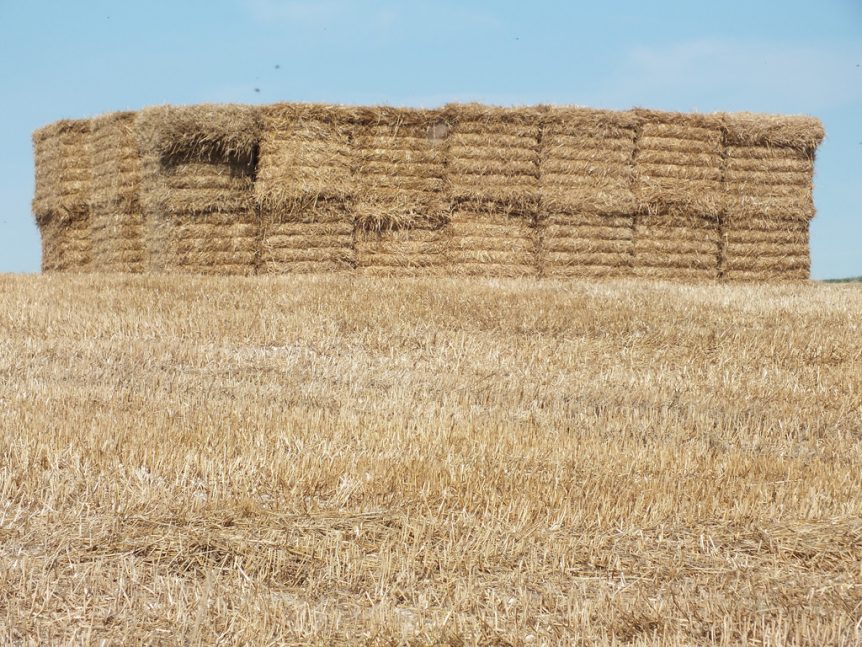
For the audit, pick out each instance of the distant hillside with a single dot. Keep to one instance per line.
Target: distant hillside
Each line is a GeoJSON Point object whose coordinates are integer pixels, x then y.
{"type": "Point", "coordinates": [854, 279]}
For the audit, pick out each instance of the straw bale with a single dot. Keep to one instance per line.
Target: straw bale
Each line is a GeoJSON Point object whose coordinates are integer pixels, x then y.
{"type": "Point", "coordinates": [765, 249]}
{"type": "Point", "coordinates": [494, 154]}
{"type": "Point", "coordinates": [118, 239]}
{"type": "Point", "coordinates": [417, 250]}
{"type": "Point", "coordinates": [586, 161]}
{"type": "Point", "coordinates": [492, 242]}
{"type": "Point", "coordinates": [318, 237]}
{"type": "Point", "coordinates": [769, 182]}
{"type": "Point", "coordinates": [585, 244]}
{"type": "Point", "coordinates": [678, 163]}
{"type": "Point", "coordinates": [305, 153]}
{"type": "Point", "coordinates": [201, 131]}
{"type": "Point", "coordinates": [399, 163]}
{"type": "Point", "coordinates": [677, 245]}
{"type": "Point", "coordinates": [62, 162]}
{"type": "Point", "coordinates": [802, 133]}
{"type": "Point", "coordinates": [66, 244]}
{"type": "Point", "coordinates": [769, 275]}
{"type": "Point", "coordinates": [208, 243]}
{"type": "Point", "coordinates": [117, 215]}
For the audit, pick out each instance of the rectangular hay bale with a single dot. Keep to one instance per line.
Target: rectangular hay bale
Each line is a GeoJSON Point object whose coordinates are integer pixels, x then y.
{"type": "Point", "coordinates": [586, 161]}
{"type": "Point", "coordinates": [677, 246]}
{"type": "Point", "coordinates": [678, 163]}
{"type": "Point", "coordinates": [305, 153]}
{"type": "Point", "coordinates": [585, 245]}
{"type": "Point", "coordinates": [315, 237]}
{"type": "Point", "coordinates": [486, 241]}
{"type": "Point", "coordinates": [494, 154]}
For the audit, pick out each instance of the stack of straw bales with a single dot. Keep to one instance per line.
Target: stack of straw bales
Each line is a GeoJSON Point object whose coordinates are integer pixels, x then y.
{"type": "Point", "coordinates": [679, 166]}
{"type": "Point", "coordinates": [400, 206]}
{"type": "Point", "coordinates": [115, 208]}
{"type": "Point", "coordinates": [464, 190]}
{"type": "Point", "coordinates": [493, 180]}
{"type": "Point", "coordinates": [62, 194]}
{"type": "Point", "coordinates": [197, 191]}
{"type": "Point", "coordinates": [586, 168]}
{"type": "Point", "coordinates": [305, 189]}
{"type": "Point", "coordinates": [768, 185]}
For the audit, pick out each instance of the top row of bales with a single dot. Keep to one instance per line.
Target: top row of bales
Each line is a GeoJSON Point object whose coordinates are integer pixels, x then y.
{"type": "Point", "coordinates": [477, 189]}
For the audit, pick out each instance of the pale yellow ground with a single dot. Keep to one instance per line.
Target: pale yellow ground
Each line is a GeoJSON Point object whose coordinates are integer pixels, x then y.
{"type": "Point", "coordinates": [333, 460]}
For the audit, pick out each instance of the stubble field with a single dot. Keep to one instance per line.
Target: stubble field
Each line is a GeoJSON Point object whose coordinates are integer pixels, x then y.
{"type": "Point", "coordinates": [332, 460]}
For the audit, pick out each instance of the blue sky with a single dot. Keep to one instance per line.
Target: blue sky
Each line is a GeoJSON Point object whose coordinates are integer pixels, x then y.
{"type": "Point", "coordinates": [75, 59]}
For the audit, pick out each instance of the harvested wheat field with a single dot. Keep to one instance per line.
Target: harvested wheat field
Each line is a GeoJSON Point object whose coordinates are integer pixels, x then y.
{"type": "Point", "coordinates": [331, 459]}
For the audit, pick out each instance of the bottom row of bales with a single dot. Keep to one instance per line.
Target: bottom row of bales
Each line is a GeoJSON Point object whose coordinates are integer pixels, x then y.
{"type": "Point", "coordinates": [469, 240]}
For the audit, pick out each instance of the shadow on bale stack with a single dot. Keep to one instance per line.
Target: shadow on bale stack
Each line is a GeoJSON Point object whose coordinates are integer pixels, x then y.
{"type": "Point", "coordinates": [493, 180]}
{"type": "Point", "coordinates": [197, 190]}
{"type": "Point", "coordinates": [62, 195]}
{"type": "Point", "coordinates": [678, 184]}
{"type": "Point", "coordinates": [115, 208]}
{"type": "Point", "coordinates": [769, 202]}
{"type": "Point", "coordinates": [305, 189]}
{"type": "Point", "coordinates": [586, 220]}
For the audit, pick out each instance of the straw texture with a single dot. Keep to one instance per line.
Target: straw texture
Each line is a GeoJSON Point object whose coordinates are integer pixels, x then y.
{"type": "Point", "coordinates": [679, 162]}
{"type": "Point", "coordinates": [305, 153]}
{"type": "Point", "coordinates": [198, 197]}
{"type": "Point", "coordinates": [414, 250]}
{"type": "Point", "coordinates": [587, 161]}
{"type": "Point", "coordinates": [487, 241]}
{"type": "Point", "coordinates": [466, 189]}
{"type": "Point", "coordinates": [399, 165]}
{"type": "Point", "coordinates": [584, 244]}
{"type": "Point", "coordinates": [677, 246]}
{"type": "Point", "coordinates": [494, 154]}
{"type": "Point", "coordinates": [314, 237]}
{"type": "Point", "coordinates": [116, 212]}
{"type": "Point", "coordinates": [62, 193]}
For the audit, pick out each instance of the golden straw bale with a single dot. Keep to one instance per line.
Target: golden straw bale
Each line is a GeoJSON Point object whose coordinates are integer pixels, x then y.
{"type": "Point", "coordinates": [399, 162]}
{"type": "Point", "coordinates": [585, 244]}
{"type": "Point", "coordinates": [63, 167]}
{"type": "Point", "coordinates": [66, 245]}
{"type": "Point", "coordinates": [204, 243]}
{"type": "Point", "coordinates": [773, 249]}
{"type": "Point", "coordinates": [767, 275]}
{"type": "Point", "coordinates": [494, 154]}
{"type": "Point", "coordinates": [116, 212]}
{"type": "Point", "coordinates": [770, 165]}
{"type": "Point", "coordinates": [487, 241]}
{"type": "Point", "coordinates": [417, 250]}
{"type": "Point", "coordinates": [586, 161]}
{"type": "Point", "coordinates": [678, 162]}
{"type": "Point", "coordinates": [677, 245]}
{"type": "Point", "coordinates": [769, 182]}
{"type": "Point", "coordinates": [305, 152]}
{"type": "Point", "coordinates": [316, 236]}
{"type": "Point", "coordinates": [201, 131]}
{"type": "Point", "coordinates": [800, 132]}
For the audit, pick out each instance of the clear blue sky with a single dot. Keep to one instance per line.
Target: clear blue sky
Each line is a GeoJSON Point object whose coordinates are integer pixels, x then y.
{"type": "Point", "coordinates": [75, 59]}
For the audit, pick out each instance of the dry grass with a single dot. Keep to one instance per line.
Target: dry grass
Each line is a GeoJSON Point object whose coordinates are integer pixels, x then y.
{"type": "Point", "coordinates": [325, 460]}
